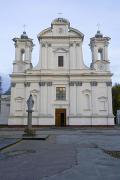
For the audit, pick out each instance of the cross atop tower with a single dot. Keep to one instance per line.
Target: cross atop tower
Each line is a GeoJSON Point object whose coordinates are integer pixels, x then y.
{"type": "Point", "coordinates": [24, 27]}
{"type": "Point", "coordinates": [98, 26]}
{"type": "Point", "coordinates": [60, 14]}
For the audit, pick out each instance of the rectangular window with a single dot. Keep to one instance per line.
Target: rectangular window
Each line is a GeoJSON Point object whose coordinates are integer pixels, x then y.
{"type": "Point", "coordinates": [60, 61]}
{"type": "Point", "coordinates": [60, 93]}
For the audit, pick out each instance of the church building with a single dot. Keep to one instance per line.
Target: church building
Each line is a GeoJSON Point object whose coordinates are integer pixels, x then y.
{"type": "Point", "coordinates": [65, 91]}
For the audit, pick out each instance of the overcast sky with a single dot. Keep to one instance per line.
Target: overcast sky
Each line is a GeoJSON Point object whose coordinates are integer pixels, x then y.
{"type": "Point", "coordinates": [38, 14]}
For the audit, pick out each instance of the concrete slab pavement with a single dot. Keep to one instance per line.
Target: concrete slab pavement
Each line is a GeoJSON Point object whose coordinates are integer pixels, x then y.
{"type": "Point", "coordinates": [71, 154]}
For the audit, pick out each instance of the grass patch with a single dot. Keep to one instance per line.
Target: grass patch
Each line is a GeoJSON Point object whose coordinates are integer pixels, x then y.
{"type": "Point", "coordinates": [115, 154]}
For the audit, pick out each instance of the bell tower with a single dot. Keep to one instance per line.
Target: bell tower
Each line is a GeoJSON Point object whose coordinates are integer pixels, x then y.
{"type": "Point", "coordinates": [99, 48]}
{"type": "Point", "coordinates": [23, 52]}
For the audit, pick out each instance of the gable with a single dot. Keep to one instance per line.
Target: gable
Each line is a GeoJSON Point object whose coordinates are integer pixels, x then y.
{"type": "Point", "coordinates": [75, 32]}
{"type": "Point", "coordinates": [60, 50]}
{"type": "Point", "coordinates": [52, 32]}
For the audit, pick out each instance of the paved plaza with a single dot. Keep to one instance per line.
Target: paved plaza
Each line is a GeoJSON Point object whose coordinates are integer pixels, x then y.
{"type": "Point", "coordinates": [66, 154]}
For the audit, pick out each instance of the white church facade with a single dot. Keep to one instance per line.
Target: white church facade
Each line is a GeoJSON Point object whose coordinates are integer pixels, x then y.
{"type": "Point", "coordinates": [65, 91]}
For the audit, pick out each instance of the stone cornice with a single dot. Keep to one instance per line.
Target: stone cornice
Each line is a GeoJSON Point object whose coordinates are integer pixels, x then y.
{"type": "Point", "coordinates": [63, 74]}
{"type": "Point", "coordinates": [59, 37]}
{"type": "Point", "coordinates": [77, 31]}
{"type": "Point", "coordinates": [92, 116]}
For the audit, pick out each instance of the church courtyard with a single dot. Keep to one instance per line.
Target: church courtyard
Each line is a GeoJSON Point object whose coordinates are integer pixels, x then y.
{"type": "Point", "coordinates": [66, 154]}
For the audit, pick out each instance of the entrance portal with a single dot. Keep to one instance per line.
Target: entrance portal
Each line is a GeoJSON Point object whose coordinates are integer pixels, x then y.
{"type": "Point", "coordinates": [60, 117]}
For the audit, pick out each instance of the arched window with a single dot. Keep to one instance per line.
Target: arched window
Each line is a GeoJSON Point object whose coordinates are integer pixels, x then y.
{"type": "Point", "coordinates": [100, 54]}
{"type": "Point", "coordinates": [22, 54]}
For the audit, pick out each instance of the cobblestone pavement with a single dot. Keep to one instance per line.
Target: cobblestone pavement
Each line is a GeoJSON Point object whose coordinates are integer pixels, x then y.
{"type": "Point", "coordinates": [70, 154]}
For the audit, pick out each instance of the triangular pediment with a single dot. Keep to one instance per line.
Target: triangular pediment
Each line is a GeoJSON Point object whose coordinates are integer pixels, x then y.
{"type": "Point", "coordinates": [75, 32]}
{"type": "Point", "coordinates": [60, 50]}
{"type": "Point", "coordinates": [45, 32]}
{"type": "Point", "coordinates": [86, 91]}
{"type": "Point", "coordinates": [19, 98]}
{"type": "Point", "coordinates": [34, 91]}
{"type": "Point", "coordinates": [102, 98]}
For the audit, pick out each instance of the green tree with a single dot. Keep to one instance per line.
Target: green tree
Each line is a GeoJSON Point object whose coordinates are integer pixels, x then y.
{"type": "Point", "coordinates": [116, 99]}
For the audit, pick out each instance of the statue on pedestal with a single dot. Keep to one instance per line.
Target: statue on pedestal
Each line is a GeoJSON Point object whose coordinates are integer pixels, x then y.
{"type": "Point", "coordinates": [30, 103]}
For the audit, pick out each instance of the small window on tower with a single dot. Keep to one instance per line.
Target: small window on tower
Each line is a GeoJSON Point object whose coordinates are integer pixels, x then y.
{"type": "Point", "coordinates": [23, 54]}
{"type": "Point", "coordinates": [100, 54]}
{"type": "Point", "coordinates": [60, 61]}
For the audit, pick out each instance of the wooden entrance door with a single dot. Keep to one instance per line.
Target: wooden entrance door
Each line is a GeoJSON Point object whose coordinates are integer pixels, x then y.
{"type": "Point", "coordinates": [60, 117]}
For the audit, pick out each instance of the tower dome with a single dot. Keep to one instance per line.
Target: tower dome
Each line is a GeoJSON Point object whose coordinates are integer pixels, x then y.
{"type": "Point", "coordinates": [60, 21]}
{"type": "Point", "coordinates": [24, 35]}
{"type": "Point", "coordinates": [98, 34]}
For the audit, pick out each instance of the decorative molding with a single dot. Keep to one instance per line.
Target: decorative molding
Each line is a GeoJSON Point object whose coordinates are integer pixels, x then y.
{"type": "Point", "coordinates": [60, 30]}
{"type": "Point", "coordinates": [109, 83]}
{"type": "Point", "coordinates": [34, 91]}
{"type": "Point", "coordinates": [106, 43]}
{"type": "Point", "coordinates": [77, 83]}
{"type": "Point", "coordinates": [13, 84]}
{"type": "Point", "coordinates": [86, 91]}
{"type": "Point", "coordinates": [71, 83]}
{"type": "Point", "coordinates": [61, 49]}
{"type": "Point", "coordinates": [59, 37]}
{"type": "Point", "coordinates": [71, 44]}
{"type": "Point", "coordinates": [102, 98]}
{"type": "Point", "coordinates": [42, 83]}
{"type": "Point", "coordinates": [19, 98]}
{"type": "Point", "coordinates": [16, 45]}
{"type": "Point", "coordinates": [43, 44]}
{"type": "Point", "coordinates": [93, 83]}
{"type": "Point", "coordinates": [77, 44]}
{"type": "Point", "coordinates": [27, 84]}
{"type": "Point", "coordinates": [49, 83]}
{"type": "Point", "coordinates": [49, 45]}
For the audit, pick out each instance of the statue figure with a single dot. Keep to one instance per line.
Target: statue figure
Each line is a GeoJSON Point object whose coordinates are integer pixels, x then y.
{"type": "Point", "coordinates": [29, 131]}
{"type": "Point", "coordinates": [30, 103]}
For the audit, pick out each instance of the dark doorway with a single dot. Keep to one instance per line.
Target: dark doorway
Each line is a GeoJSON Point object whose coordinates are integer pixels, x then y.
{"type": "Point", "coordinates": [60, 117]}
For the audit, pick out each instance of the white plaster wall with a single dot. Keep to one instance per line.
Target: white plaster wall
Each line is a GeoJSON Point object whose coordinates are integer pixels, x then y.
{"type": "Point", "coordinates": [5, 110]}
{"type": "Point", "coordinates": [74, 70]}
{"type": "Point", "coordinates": [72, 100]}
{"type": "Point", "coordinates": [90, 121]}
{"type": "Point", "coordinates": [74, 103]}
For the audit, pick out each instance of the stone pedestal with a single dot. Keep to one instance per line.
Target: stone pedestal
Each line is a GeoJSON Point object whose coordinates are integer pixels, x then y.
{"type": "Point", "coordinates": [29, 131]}
{"type": "Point", "coordinates": [29, 119]}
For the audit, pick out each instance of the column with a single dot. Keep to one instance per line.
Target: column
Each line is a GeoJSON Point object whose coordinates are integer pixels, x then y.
{"type": "Point", "coordinates": [78, 64]}
{"type": "Point", "coordinates": [49, 99]}
{"type": "Point", "coordinates": [94, 50]}
{"type": "Point", "coordinates": [78, 100]}
{"type": "Point", "coordinates": [44, 102]}
{"type": "Point", "coordinates": [106, 53]}
{"type": "Point", "coordinates": [71, 59]}
{"type": "Point", "coordinates": [46, 56]}
{"type": "Point", "coordinates": [93, 97]}
{"type": "Point", "coordinates": [72, 100]}
{"type": "Point", "coordinates": [27, 54]}
{"type": "Point", "coordinates": [43, 56]}
{"type": "Point", "coordinates": [79, 54]}
{"type": "Point", "coordinates": [49, 59]}
{"type": "Point", "coordinates": [110, 110]}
